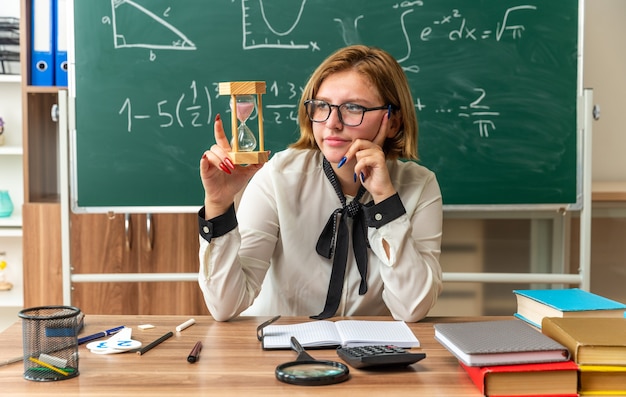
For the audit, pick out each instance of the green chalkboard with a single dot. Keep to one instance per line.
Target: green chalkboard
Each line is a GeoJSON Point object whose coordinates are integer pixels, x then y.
{"type": "Point", "coordinates": [495, 84]}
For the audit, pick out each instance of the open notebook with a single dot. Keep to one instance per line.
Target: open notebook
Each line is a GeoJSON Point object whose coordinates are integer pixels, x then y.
{"type": "Point", "coordinates": [329, 334]}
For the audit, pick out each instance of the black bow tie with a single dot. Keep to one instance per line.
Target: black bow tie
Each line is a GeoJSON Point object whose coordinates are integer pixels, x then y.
{"type": "Point", "coordinates": [326, 243]}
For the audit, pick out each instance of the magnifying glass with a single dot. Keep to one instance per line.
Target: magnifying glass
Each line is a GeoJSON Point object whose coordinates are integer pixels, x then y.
{"type": "Point", "coordinates": [307, 371]}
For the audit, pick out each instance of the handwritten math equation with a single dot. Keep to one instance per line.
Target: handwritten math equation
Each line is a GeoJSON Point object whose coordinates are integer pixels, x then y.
{"type": "Point", "coordinates": [193, 107]}
{"type": "Point", "coordinates": [460, 28]}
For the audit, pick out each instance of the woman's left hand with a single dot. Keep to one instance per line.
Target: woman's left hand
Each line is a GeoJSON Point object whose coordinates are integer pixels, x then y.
{"type": "Point", "coordinates": [371, 166]}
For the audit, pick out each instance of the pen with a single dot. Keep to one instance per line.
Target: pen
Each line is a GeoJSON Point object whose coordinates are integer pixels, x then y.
{"type": "Point", "coordinates": [102, 334]}
{"type": "Point", "coordinates": [21, 358]}
{"type": "Point", "coordinates": [195, 353]}
{"type": "Point", "coordinates": [259, 329]}
{"type": "Point", "coordinates": [12, 360]}
{"type": "Point", "coordinates": [155, 343]}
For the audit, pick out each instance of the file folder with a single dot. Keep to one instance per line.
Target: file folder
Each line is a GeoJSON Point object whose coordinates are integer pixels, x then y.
{"type": "Point", "coordinates": [42, 43]}
{"type": "Point", "coordinates": [60, 53]}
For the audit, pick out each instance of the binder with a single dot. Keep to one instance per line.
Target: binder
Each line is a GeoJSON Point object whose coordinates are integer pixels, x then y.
{"type": "Point", "coordinates": [42, 43]}
{"type": "Point", "coordinates": [60, 53]}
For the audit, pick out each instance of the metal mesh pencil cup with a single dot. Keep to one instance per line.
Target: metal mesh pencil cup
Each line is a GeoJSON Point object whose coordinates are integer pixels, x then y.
{"type": "Point", "coordinates": [49, 335]}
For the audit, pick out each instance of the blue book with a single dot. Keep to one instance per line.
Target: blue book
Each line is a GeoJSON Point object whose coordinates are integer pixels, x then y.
{"type": "Point", "coordinates": [535, 304]}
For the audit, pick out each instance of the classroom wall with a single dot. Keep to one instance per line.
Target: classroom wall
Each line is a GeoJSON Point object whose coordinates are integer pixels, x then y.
{"type": "Point", "coordinates": [604, 66]}
{"type": "Point", "coordinates": [605, 72]}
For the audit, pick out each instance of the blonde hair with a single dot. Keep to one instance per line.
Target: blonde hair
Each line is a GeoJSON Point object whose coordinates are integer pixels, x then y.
{"type": "Point", "coordinates": [387, 76]}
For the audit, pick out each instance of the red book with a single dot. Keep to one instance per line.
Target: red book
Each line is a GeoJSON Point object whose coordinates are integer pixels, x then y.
{"type": "Point", "coordinates": [540, 379]}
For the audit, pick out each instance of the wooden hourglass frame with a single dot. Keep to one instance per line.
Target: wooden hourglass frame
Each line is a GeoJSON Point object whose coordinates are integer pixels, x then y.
{"type": "Point", "coordinates": [235, 88]}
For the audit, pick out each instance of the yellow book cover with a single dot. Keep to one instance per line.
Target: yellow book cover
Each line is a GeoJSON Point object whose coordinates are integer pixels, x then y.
{"type": "Point", "coordinates": [602, 380]}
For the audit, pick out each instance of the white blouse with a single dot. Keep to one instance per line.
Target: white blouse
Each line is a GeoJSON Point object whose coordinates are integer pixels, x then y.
{"type": "Point", "coordinates": [268, 265]}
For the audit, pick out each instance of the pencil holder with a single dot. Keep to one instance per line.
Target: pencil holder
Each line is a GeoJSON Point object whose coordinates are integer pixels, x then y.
{"type": "Point", "coordinates": [49, 335]}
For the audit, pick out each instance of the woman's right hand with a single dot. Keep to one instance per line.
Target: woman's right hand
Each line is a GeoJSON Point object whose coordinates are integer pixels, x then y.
{"type": "Point", "coordinates": [222, 179]}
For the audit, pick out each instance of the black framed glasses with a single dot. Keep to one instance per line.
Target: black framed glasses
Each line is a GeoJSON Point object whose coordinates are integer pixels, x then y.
{"type": "Point", "coordinates": [350, 114]}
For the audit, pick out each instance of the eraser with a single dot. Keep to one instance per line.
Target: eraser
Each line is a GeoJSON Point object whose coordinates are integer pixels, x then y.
{"type": "Point", "coordinates": [66, 331]}
{"type": "Point", "coordinates": [53, 360]}
{"type": "Point", "coordinates": [60, 332]}
{"type": "Point", "coordinates": [145, 326]}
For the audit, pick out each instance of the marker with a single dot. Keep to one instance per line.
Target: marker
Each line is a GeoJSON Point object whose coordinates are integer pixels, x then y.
{"type": "Point", "coordinates": [195, 353]}
{"type": "Point", "coordinates": [155, 343]}
{"type": "Point", "coordinates": [186, 324]}
{"type": "Point", "coordinates": [102, 334]}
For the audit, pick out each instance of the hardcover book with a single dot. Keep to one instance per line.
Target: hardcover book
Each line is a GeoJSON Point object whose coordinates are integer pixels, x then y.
{"type": "Point", "coordinates": [329, 334]}
{"type": "Point", "coordinates": [603, 380]}
{"type": "Point", "coordinates": [534, 305]}
{"type": "Point", "coordinates": [498, 342]}
{"type": "Point", "coordinates": [542, 379]}
{"type": "Point", "coordinates": [591, 341]}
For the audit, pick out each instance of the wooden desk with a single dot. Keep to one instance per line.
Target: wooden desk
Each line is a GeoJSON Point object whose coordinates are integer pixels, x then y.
{"type": "Point", "coordinates": [232, 363]}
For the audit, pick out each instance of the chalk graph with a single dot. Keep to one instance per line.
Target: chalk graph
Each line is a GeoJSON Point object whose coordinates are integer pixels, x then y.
{"type": "Point", "coordinates": [255, 13]}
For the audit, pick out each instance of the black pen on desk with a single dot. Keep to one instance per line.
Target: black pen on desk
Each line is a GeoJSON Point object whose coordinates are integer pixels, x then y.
{"type": "Point", "coordinates": [155, 343]}
{"type": "Point", "coordinates": [101, 334]}
{"type": "Point", "coordinates": [195, 353]}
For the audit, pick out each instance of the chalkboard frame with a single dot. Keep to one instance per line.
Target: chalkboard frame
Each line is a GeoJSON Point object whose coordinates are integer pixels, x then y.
{"type": "Point", "coordinates": [575, 204]}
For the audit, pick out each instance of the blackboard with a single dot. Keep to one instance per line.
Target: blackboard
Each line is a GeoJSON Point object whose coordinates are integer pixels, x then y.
{"type": "Point", "coordinates": [495, 84]}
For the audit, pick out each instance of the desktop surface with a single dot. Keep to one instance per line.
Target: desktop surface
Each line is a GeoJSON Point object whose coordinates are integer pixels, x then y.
{"type": "Point", "coordinates": [231, 363]}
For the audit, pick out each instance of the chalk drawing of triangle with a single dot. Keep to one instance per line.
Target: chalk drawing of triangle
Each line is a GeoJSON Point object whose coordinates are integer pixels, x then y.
{"type": "Point", "coordinates": [136, 26]}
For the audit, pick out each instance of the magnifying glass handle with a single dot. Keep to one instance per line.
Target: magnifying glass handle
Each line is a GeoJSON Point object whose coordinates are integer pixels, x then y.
{"type": "Point", "coordinates": [302, 354]}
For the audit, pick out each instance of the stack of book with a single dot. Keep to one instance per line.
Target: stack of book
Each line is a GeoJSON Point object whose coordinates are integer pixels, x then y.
{"type": "Point", "coordinates": [510, 358]}
{"type": "Point", "coordinates": [592, 327]}
{"type": "Point", "coordinates": [598, 347]}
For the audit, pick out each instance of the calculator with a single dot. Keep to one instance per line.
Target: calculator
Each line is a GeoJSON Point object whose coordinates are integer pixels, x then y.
{"type": "Point", "coordinates": [378, 356]}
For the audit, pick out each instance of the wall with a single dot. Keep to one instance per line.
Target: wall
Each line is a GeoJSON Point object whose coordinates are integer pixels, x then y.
{"type": "Point", "coordinates": [605, 71]}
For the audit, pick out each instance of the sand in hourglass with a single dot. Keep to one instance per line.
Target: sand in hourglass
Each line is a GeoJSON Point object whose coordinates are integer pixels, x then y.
{"type": "Point", "coordinates": [245, 107]}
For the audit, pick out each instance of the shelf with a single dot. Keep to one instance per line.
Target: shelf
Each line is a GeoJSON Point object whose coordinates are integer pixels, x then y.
{"type": "Point", "coordinates": [613, 191]}
{"type": "Point", "coordinates": [11, 222]}
{"type": "Point", "coordinates": [11, 150]}
{"type": "Point", "coordinates": [41, 89]}
{"type": "Point", "coordinates": [10, 231]}
{"type": "Point", "coordinates": [10, 78]}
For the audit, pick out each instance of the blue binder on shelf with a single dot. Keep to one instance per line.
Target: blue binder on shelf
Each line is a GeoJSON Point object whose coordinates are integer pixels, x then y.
{"type": "Point", "coordinates": [60, 53]}
{"type": "Point", "coordinates": [42, 43]}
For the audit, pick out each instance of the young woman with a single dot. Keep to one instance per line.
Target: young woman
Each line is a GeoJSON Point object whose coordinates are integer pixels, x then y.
{"type": "Point", "coordinates": [335, 225]}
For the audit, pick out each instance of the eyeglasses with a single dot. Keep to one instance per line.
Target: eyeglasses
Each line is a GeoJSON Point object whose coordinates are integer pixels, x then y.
{"type": "Point", "coordinates": [350, 114]}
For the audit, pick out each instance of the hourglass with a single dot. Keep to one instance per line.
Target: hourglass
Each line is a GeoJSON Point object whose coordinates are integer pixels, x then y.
{"type": "Point", "coordinates": [245, 96]}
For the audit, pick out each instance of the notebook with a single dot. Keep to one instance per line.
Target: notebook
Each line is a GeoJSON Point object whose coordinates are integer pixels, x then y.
{"type": "Point", "coordinates": [347, 333]}
{"type": "Point", "coordinates": [499, 342]}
